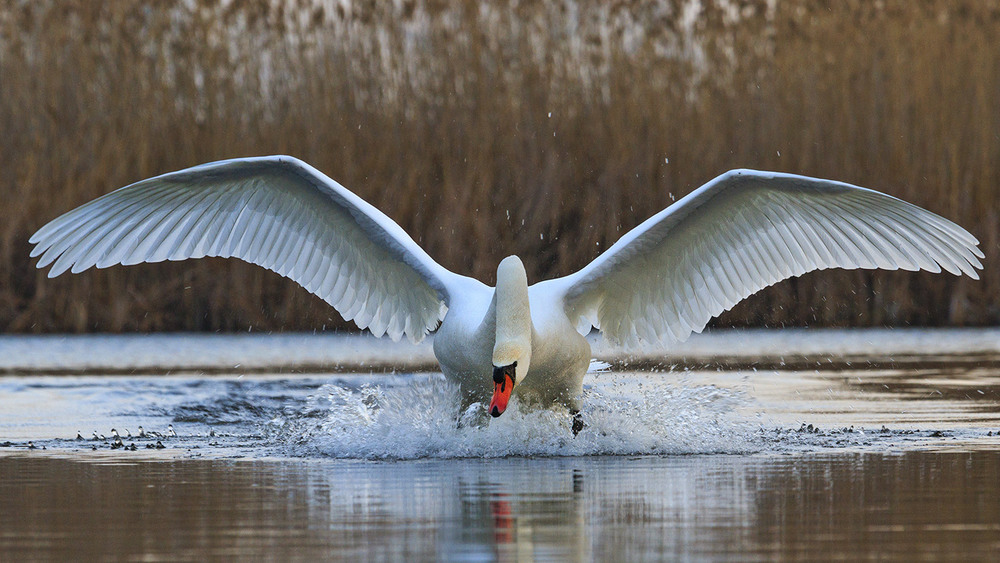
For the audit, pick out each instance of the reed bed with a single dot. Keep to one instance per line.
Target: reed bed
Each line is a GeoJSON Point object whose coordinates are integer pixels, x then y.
{"type": "Point", "coordinates": [540, 129]}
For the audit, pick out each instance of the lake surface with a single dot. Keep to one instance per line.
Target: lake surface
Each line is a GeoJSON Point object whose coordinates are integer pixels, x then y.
{"type": "Point", "coordinates": [816, 506]}
{"type": "Point", "coordinates": [820, 446]}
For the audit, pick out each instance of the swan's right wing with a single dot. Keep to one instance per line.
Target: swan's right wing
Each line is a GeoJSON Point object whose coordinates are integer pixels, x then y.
{"type": "Point", "coordinates": [277, 212]}
{"type": "Point", "coordinates": [742, 232]}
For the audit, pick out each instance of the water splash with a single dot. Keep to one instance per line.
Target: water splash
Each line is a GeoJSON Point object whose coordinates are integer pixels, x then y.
{"type": "Point", "coordinates": [420, 418]}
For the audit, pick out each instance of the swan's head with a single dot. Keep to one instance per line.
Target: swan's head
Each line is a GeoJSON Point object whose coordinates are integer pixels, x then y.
{"type": "Point", "coordinates": [512, 350]}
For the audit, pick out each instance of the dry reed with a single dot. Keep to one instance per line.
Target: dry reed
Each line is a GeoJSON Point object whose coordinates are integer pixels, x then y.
{"type": "Point", "coordinates": [541, 129]}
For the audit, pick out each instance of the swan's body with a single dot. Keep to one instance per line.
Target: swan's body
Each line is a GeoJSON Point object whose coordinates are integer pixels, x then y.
{"type": "Point", "coordinates": [470, 342]}
{"type": "Point", "coordinates": [737, 234]}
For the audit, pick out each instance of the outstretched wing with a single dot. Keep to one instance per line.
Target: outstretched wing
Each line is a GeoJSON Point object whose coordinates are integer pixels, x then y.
{"type": "Point", "coordinates": [277, 212]}
{"type": "Point", "coordinates": [742, 232]}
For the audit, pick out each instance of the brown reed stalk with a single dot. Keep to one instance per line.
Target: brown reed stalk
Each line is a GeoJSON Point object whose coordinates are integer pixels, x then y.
{"type": "Point", "coordinates": [540, 129]}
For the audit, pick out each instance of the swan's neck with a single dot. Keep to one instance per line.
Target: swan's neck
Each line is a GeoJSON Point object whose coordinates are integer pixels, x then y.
{"type": "Point", "coordinates": [513, 316]}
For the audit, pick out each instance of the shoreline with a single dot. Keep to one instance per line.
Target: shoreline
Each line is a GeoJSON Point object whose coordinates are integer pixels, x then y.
{"type": "Point", "coordinates": [726, 349]}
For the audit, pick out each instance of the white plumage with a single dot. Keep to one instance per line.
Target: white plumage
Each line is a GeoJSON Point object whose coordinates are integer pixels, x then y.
{"type": "Point", "coordinates": [734, 236]}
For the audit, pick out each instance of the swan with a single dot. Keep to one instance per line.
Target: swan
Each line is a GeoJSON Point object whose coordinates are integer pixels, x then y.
{"type": "Point", "coordinates": [663, 280]}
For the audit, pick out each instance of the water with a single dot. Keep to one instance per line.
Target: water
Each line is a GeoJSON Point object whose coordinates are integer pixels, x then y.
{"type": "Point", "coordinates": [906, 506]}
{"type": "Point", "coordinates": [784, 454]}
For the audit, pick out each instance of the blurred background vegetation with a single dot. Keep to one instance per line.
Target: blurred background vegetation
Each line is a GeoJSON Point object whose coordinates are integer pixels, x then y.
{"type": "Point", "coordinates": [543, 129]}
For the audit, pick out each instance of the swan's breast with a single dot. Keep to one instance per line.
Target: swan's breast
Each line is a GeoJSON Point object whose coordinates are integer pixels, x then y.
{"type": "Point", "coordinates": [559, 360]}
{"type": "Point", "coordinates": [463, 344]}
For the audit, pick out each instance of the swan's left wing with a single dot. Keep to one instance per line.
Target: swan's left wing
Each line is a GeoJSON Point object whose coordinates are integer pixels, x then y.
{"type": "Point", "coordinates": [277, 212]}
{"type": "Point", "coordinates": [742, 232]}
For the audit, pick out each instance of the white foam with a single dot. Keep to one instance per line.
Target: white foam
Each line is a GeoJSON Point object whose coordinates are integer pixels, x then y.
{"type": "Point", "coordinates": [625, 414]}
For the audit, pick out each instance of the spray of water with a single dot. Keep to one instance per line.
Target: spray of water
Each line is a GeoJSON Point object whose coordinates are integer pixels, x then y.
{"type": "Point", "coordinates": [421, 418]}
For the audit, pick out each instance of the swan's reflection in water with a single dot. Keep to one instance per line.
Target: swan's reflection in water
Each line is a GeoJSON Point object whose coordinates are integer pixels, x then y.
{"type": "Point", "coordinates": [516, 512]}
{"type": "Point", "coordinates": [812, 506]}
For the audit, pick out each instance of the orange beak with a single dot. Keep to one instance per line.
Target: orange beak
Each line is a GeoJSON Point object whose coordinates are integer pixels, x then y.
{"type": "Point", "coordinates": [503, 379]}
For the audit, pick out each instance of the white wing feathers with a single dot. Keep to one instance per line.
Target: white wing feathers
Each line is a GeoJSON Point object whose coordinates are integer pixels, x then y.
{"type": "Point", "coordinates": [276, 212]}
{"type": "Point", "coordinates": [742, 232]}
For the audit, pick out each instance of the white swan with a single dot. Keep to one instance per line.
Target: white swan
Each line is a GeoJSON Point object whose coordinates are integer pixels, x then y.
{"type": "Point", "coordinates": [737, 234]}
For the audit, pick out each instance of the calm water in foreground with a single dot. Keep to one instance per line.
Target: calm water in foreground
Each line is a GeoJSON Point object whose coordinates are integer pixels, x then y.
{"type": "Point", "coordinates": [897, 462]}
{"type": "Point", "coordinates": [817, 506]}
